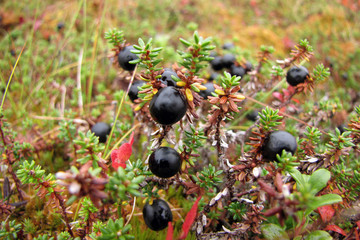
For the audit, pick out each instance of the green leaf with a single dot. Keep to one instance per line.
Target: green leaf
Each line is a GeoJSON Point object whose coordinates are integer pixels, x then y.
{"type": "Point", "coordinates": [137, 47]}
{"type": "Point", "coordinates": [323, 200]}
{"type": "Point", "coordinates": [273, 232]}
{"type": "Point", "coordinates": [136, 51]}
{"type": "Point", "coordinates": [157, 49]}
{"type": "Point", "coordinates": [300, 182]}
{"type": "Point", "coordinates": [196, 38]}
{"type": "Point", "coordinates": [141, 43]}
{"type": "Point", "coordinates": [136, 61]}
{"type": "Point", "coordinates": [318, 235]}
{"type": "Point", "coordinates": [186, 43]}
{"type": "Point", "coordinates": [318, 180]}
{"type": "Point", "coordinates": [205, 43]}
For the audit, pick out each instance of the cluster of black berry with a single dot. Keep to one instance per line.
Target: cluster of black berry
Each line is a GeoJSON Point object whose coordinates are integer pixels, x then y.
{"type": "Point", "coordinates": [228, 61]}
{"type": "Point", "coordinates": [168, 106]}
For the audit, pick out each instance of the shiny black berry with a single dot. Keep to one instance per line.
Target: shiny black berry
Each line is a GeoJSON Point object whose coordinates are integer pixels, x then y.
{"type": "Point", "coordinates": [125, 56]}
{"type": "Point", "coordinates": [296, 75]}
{"type": "Point", "coordinates": [165, 162]}
{"type": "Point", "coordinates": [167, 106]}
{"type": "Point", "coordinates": [101, 130]}
{"type": "Point", "coordinates": [167, 79]}
{"type": "Point", "coordinates": [228, 60]}
{"type": "Point", "coordinates": [237, 71]}
{"type": "Point", "coordinates": [217, 63]}
{"type": "Point", "coordinates": [158, 215]}
{"type": "Point", "coordinates": [209, 89]}
{"type": "Point", "coordinates": [276, 142]}
{"type": "Point", "coordinates": [134, 90]}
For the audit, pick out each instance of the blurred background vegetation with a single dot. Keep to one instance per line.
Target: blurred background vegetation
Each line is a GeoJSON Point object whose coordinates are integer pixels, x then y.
{"type": "Point", "coordinates": [54, 33]}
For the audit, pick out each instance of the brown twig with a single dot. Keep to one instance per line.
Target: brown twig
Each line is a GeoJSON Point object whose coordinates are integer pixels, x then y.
{"type": "Point", "coordinates": [63, 209]}
{"type": "Point", "coordinates": [10, 158]}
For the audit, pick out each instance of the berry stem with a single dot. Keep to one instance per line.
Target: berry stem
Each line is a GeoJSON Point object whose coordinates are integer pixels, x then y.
{"type": "Point", "coordinates": [166, 129]}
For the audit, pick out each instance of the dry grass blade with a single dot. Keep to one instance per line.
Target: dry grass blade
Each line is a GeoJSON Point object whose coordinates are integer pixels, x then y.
{"type": "Point", "coordinates": [78, 81]}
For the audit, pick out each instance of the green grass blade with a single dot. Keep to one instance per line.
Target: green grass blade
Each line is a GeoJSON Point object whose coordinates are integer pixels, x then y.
{"type": "Point", "coordinates": [11, 76]}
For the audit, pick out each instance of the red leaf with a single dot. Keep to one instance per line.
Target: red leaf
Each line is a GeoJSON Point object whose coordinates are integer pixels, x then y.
{"type": "Point", "coordinates": [131, 140]}
{"type": "Point", "coordinates": [288, 43]}
{"type": "Point", "coordinates": [170, 232]}
{"type": "Point", "coordinates": [295, 100]}
{"type": "Point", "coordinates": [335, 229]}
{"type": "Point", "coordinates": [326, 213]}
{"type": "Point", "coordinates": [281, 110]}
{"type": "Point", "coordinates": [278, 96]}
{"type": "Point", "coordinates": [286, 92]}
{"type": "Point", "coordinates": [122, 154]}
{"type": "Point", "coordinates": [358, 224]}
{"type": "Point", "coordinates": [189, 219]}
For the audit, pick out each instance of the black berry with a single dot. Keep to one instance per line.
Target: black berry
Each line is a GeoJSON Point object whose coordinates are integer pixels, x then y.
{"type": "Point", "coordinates": [101, 130]}
{"type": "Point", "coordinates": [125, 56]}
{"type": "Point", "coordinates": [165, 162]}
{"type": "Point", "coordinates": [248, 66]}
{"type": "Point", "coordinates": [213, 54]}
{"type": "Point", "coordinates": [228, 45]}
{"type": "Point", "coordinates": [296, 75]}
{"type": "Point", "coordinates": [342, 128]}
{"type": "Point", "coordinates": [60, 26]}
{"type": "Point", "coordinates": [209, 89]}
{"type": "Point", "coordinates": [158, 215]}
{"type": "Point", "coordinates": [228, 60]}
{"type": "Point", "coordinates": [253, 115]}
{"type": "Point", "coordinates": [217, 63]}
{"type": "Point", "coordinates": [213, 76]}
{"type": "Point", "coordinates": [237, 71]}
{"type": "Point", "coordinates": [134, 90]}
{"type": "Point", "coordinates": [167, 79]}
{"type": "Point", "coordinates": [276, 142]}
{"type": "Point", "coordinates": [344, 76]}
{"type": "Point", "coordinates": [167, 106]}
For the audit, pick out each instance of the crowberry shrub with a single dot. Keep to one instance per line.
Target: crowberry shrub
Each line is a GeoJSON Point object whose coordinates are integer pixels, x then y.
{"type": "Point", "coordinates": [191, 152]}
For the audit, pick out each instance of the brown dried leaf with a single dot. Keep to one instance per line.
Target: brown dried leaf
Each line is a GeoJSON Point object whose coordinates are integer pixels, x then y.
{"type": "Point", "coordinates": [278, 182]}
{"type": "Point", "coordinates": [267, 188]}
{"type": "Point", "coordinates": [223, 100]}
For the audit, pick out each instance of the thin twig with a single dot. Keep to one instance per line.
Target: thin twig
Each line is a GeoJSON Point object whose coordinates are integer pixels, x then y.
{"type": "Point", "coordinates": [75, 120]}
{"type": "Point", "coordinates": [132, 212]}
{"type": "Point", "coordinates": [9, 156]}
{"type": "Point", "coordinates": [63, 208]}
